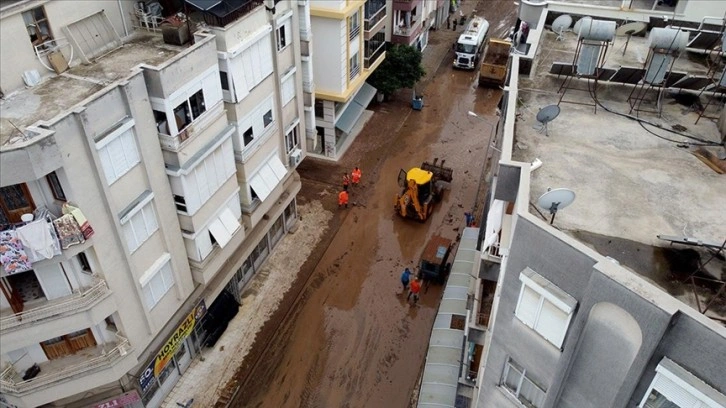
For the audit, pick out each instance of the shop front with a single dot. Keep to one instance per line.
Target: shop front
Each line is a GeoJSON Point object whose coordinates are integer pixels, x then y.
{"type": "Point", "coordinates": [168, 365]}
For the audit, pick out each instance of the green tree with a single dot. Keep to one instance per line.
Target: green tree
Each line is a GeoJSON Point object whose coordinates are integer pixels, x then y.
{"type": "Point", "coordinates": [401, 69]}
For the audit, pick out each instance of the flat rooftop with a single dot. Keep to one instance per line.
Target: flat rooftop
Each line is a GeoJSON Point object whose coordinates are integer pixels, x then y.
{"type": "Point", "coordinates": [633, 181]}
{"type": "Point", "coordinates": [59, 93]}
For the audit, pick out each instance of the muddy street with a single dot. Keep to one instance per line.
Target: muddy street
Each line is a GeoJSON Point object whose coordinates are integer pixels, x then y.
{"type": "Point", "coordinates": [350, 339]}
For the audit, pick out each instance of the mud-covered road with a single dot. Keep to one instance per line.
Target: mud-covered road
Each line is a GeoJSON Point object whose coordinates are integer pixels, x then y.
{"type": "Point", "coordinates": [350, 339]}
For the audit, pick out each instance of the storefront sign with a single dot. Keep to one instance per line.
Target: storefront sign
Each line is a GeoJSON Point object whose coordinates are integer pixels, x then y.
{"type": "Point", "coordinates": [120, 401]}
{"type": "Point", "coordinates": [171, 346]}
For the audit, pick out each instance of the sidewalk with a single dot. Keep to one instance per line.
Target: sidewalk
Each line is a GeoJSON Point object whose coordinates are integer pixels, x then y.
{"type": "Point", "coordinates": [205, 380]}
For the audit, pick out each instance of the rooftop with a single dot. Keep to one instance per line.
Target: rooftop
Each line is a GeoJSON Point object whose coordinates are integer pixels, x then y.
{"type": "Point", "coordinates": [60, 93]}
{"type": "Point", "coordinates": [633, 180]}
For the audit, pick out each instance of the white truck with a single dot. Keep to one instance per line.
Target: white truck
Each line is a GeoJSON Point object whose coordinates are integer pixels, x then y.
{"type": "Point", "coordinates": [470, 43]}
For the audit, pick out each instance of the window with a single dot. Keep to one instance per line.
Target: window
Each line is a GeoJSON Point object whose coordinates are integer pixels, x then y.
{"type": "Point", "coordinates": [267, 118]}
{"type": "Point", "coordinates": [224, 227]}
{"type": "Point", "coordinates": [544, 307]}
{"type": "Point", "coordinates": [157, 280]}
{"type": "Point", "coordinates": [206, 178]}
{"type": "Point", "coordinates": [83, 260]}
{"type": "Point", "coordinates": [287, 89]}
{"type": "Point", "coordinates": [354, 24]}
{"type": "Point", "coordinates": [162, 125]}
{"type": "Point", "coordinates": [247, 136]}
{"type": "Point", "coordinates": [319, 108]}
{"type": "Point", "coordinates": [291, 140]}
{"type": "Point", "coordinates": [55, 186]}
{"type": "Point", "coordinates": [675, 387]}
{"type": "Point", "coordinates": [354, 66]}
{"type": "Point", "coordinates": [118, 152]}
{"type": "Point", "coordinates": [139, 223]}
{"type": "Point", "coordinates": [283, 35]}
{"type": "Point", "coordinates": [515, 381]}
{"type": "Point", "coordinates": [224, 80]}
{"type": "Point", "coordinates": [189, 110]}
{"type": "Point", "coordinates": [37, 25]}
{"type": "Point", "coordinates": [267, 177]}
{"type": "Point", "coordinates": [180, 202]}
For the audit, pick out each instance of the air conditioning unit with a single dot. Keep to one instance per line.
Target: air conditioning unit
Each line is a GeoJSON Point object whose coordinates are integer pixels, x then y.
{"type": "Point", "coordinates": [295, 157]}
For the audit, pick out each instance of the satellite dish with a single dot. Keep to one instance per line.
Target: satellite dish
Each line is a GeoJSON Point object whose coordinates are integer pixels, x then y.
{"type": "Point", "coordinates": [547, 115]}
{"type": "Point", "coordinates": [580, 22]}
{"type": "Point", "coordinates": [630, 29]}
{"type": "Point", "coordinates": [561, 24]}
{"type": "Point", "coordinates": [556, 199]}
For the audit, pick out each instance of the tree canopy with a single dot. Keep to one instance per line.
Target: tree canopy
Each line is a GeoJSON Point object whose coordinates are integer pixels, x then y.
{"type": "Point", "coordinates": [401, 69]}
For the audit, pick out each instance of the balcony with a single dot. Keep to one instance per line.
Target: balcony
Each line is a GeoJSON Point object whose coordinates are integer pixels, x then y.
{"type": "Point", "coordinates": [224, 12]}
{"type": "Point", "coordinates": [81, 300]}
{"type": "Point", "coordinates": [407, 32]}
{"type": "Point", "coordinates": [197, 126]}
{"type": "Point", "coordinates": [379, 49]}
{"type": "Point", "coordinates": [375, 12]}
{"type": "Point", "coordinates": [405, 5]}
{"type": "Point", "coordinates": [63, 377]}
{"type": "Point", "coordinates": [354, 31]}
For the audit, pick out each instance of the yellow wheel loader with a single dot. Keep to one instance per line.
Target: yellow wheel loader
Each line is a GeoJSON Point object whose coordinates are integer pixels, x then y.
{"type": "Point", "coordinates": [421, 187]}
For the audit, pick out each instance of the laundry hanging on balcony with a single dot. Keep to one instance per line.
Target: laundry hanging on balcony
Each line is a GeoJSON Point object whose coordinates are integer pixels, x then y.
{"type": "Point", "coordinates": [12, 254]}
{"type": "Point", "coordinates": [69, 232]}
{"type": "Point", "coordinates": [39, 240]}
{"type": "Point", "coordinates": [81, 219]}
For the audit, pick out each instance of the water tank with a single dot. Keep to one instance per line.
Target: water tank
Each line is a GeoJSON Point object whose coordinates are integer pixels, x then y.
{"type": "Point", "coordinates": [531, 10]}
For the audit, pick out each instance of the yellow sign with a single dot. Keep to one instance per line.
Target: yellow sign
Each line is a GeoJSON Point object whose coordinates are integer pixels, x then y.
{"type": "Point", "coordinates": [180, 334]}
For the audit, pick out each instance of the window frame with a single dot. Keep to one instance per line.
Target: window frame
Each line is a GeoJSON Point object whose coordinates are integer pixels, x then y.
{"type": "Point", "coordinates": [56, 188]}
{"type": "Point", "coordinates": [35, 22]}
{"type": "Point", "coordinates": [517, 394]}
{"type": "Point", "coordinates": [281, 34]}
{"type": "Point", "coordinates": [294, 134]}
{"type": "Point", "coordinates": [126, 131]}
{"type": "Point", "coordinates": [671, 374]}
{"type": "Point", "coordinates": [354, 65]}
{"type": "Point", "coordinates": [287, 87]}
{"type": "Point", "coordinates": [157, 270]}
{"type": "Point", "coordinates": [145, 203]}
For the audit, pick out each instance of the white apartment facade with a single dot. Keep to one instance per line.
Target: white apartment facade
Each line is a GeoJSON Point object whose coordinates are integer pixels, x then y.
{"type": "Point", "coordinates": [349, 45]}
{"type": "Point", "coordinates": [180, 157]}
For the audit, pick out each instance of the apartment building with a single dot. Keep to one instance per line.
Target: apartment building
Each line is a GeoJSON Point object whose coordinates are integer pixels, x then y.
{"type": "Point", "coordinates": [349, 45]}
{"type": "Point", "coordinates": [581, 310]}
{"type": "Point", "coordinates": [412, 20]}
{"type": "Point", "coordinates": [147, 171]}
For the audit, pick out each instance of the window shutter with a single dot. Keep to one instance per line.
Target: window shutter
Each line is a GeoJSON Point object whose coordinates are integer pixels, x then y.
{"type": "Point", "coordinates": [674, 392]}
{"type": "Point", "coordinates": [105, 158]}
{"type": "Point", "coordinates": [150, 219]}
{"type": "Point", "coordinates": [118, 160]}
{"type": "Point", "coordinates": [131, 240]}
{"type": "Point", "coordinates": [219, 232]}
{"type": "Point", "coordinates": [167, 276]}
{"type": "Point", "coordinates": [148, 296]}
{"type": "Point", "coordinates": [528, 305]}
{"type": "Point", "coordinates": [288, 89]}
{"type": "Point", "coordinates": [229, 221]}
{"type": "Point", "coordinates": [131, 153]}
{"type": "Point", "coordinates": [552, 323]}
{"type": "Point", "coordinates": [239, 80]}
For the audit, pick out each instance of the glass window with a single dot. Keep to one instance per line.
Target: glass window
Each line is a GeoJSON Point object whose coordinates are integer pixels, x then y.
{"type": "Point", "coordinates": [267, 118]}
{"type": "Point", "coordinates": [224, 79]}
{"type": "Point", "coordinates": [514, 380]}
{"type": "Point", "coordinates": [291, 139]}
{"type": "Point", "coordinates": [247, 136]}
{"type": "Point", "coordinates": [55, 186]}
{"type": "Point", "coordinates": [36, 23]}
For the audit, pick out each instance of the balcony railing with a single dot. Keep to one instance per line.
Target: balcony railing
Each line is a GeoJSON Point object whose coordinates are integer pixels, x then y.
{"type": "Point", "coordinates": [354, 31]}
{"type": "Point", "coordinates": [198, 125]}
{"type": "Point", "coordinates": [11, 382]}
{"type": "Point", "coordinates": [82, 299]}
{"type": "Point", "coordinates": [371, 22]}
{"type": "Point", "coordinates": [370, 60]}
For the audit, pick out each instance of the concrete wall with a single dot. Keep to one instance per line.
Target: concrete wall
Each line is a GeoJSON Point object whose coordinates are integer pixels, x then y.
{"type": "Point", "coordinates": [329, 49]}
{"type": "Point", "coordinates": [695, 10]}
{"type": "Point", "coordinates": [15, 60]}
{"type": "Point", "coordinates": [333, 5]}
{"type": "Point", "coordinates": [230, 37]}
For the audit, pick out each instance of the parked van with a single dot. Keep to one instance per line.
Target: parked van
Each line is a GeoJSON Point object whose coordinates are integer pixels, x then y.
{"type": "Point", "coordinates": [470, 43]}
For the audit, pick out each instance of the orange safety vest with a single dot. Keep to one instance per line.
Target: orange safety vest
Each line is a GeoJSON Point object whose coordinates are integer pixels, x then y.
{"type": "Point", "coordinates": [356, 175]}
{"type": "Point", "coordinates": [415, 287]}
{"type": "Point", "coordinates": [343, 198]}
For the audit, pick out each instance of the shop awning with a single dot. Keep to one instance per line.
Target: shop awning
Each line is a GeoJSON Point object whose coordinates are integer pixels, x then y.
{"type": "Point", "coordinates": [355, 108]}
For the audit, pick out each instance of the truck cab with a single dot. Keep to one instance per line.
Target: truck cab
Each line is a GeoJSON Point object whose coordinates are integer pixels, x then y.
{"type": "Point", "coordinates": [470, 43]}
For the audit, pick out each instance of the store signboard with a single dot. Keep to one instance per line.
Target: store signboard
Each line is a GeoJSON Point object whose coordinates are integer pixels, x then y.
{"type": "Point", "coordinates": [120, 401]}
{"type": "Point", "coordinates": [171, 346]}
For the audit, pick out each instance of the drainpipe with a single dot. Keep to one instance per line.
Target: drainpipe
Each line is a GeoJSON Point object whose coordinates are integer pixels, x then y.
{"type": "Point", "coordinates": [123, 18]}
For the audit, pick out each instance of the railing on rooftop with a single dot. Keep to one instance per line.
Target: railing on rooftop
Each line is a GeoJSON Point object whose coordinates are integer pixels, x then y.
{"type": "Point", "coordinates": [11, 382]}
{"type": "Point", "coordinates": [79, 300]}
{"type": "Point", "coordinates": [228, 16]}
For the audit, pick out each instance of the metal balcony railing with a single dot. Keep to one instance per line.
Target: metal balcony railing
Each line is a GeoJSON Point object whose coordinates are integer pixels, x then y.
{"type": "Point", "coordinates": [370, 60]}
{"type": "Point", "coordinates": [354, 31]}
{"type": "Point", "coordinates": [82, 299]}
{"type": "Point", "coordinates": [11, 382]}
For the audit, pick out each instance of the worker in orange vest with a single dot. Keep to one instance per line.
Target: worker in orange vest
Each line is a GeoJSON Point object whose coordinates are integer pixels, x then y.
{"type": "Point", "coordinates": [346, 181]}
{"type": "Point", "coordinates": [414, 290]}
{"type": "Point", "coordinates": [343, 199]}
{"type": "Point", "coordinates": [355, 175]}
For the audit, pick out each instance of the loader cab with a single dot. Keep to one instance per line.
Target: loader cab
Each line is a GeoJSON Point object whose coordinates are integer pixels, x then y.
{"type": "Point", "coordinates": [422, 178]}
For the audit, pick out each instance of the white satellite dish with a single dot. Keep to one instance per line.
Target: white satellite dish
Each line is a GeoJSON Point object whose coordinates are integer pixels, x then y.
{"type": "Point", "coordinates": [560, 25]}
{"type": "Point", "coordinates": [556, 199]}
{"type": "Point", "coordinates": [630, 29]}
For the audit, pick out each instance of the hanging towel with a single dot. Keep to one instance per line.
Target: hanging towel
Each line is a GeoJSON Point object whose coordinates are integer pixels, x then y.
{"type": "Point", "coordinates": [81, 219]}
{"type": "Point", "coordinates": [12, 254]}
{"type": "Point", "coordinates": [36, 240]}
{"type": "Point", "coordinates": [69, 233]}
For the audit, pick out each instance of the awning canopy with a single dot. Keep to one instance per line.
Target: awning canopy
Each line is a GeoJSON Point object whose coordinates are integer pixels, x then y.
{"type": "Point", "coordinates": [347, 120]}
{"type": "Point", "coordinates": [444, 357]}
{"type": "Point", "coordinates": [268, 177]}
